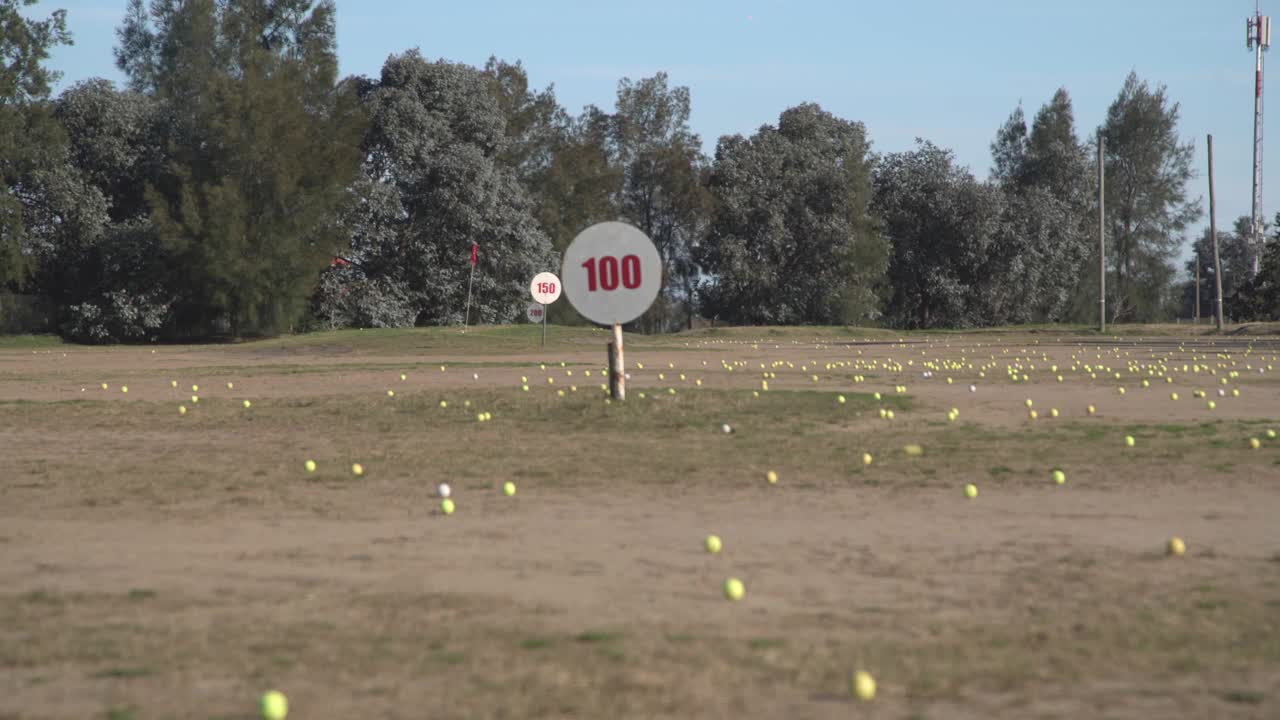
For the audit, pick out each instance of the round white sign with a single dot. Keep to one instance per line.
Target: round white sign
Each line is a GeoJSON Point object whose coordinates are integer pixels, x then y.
{"type": "Point", "coordinates": [612, 273]}
{"type": "Point", "coordinates": [545, 288]}
{"type": "Point", "coordinates": [536, 313]}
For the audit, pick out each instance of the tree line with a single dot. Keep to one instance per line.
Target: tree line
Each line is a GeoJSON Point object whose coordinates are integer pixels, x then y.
{"type": "Point", "coordinates": [236, 186]}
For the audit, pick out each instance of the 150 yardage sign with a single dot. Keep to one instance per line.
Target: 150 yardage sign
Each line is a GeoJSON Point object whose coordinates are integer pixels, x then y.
{"type": "Point", "coordinates": [612, 273]}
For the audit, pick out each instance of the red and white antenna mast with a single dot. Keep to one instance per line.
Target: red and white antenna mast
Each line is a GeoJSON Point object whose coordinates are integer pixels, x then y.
{"type": "Point", "coordinates": [1258, 31]}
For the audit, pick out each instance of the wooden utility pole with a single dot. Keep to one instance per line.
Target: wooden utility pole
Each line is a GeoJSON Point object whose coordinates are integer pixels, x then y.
{"type": "Point", "coordinates": [1102, 237]}
{"type": "Point", "coordinates": [1213, 234]}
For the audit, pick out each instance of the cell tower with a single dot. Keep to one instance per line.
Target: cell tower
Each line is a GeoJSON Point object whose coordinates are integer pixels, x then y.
{"type": "Point", "coordinates": [1258, 31]}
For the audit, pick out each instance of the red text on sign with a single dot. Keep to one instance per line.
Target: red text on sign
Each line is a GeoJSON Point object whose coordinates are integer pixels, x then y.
{"type": "Point", "coordinates": [605, 274]}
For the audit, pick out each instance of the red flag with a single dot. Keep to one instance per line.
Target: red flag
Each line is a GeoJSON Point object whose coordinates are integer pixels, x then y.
{"type": "Point", "coordinates": [474, 247]}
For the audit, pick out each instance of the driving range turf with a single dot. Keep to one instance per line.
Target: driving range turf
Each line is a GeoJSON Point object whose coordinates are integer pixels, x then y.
{"type": "Point", "coordinates": [158, 565]}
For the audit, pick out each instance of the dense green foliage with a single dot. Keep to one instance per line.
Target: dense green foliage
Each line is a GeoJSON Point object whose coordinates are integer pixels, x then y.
{"type": "Point", "coordinates": [792, 239]}
{"type": "Point", "coordinates": [237, 187]}
{"type": "Point", "coordinates": [31, 144]}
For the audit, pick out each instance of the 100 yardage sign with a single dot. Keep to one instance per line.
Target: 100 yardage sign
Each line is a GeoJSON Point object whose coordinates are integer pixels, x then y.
{"type": "Point", "coordinates": [612, 273]}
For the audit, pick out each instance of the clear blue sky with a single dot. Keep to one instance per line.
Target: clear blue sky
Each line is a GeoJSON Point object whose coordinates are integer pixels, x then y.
{"type": "Point", "coordinates": [944, 70]}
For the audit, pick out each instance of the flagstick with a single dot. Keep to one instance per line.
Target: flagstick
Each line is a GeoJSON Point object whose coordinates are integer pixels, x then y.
{"type": "Point", "coordinates": [544, 326]}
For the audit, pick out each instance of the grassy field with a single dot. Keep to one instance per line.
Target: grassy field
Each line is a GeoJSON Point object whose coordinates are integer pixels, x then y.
{"type": "Point", "coordinates": [156, 564]}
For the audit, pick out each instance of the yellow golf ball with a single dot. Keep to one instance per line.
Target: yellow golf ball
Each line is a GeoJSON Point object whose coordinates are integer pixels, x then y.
{"type": "Point", "coordinates": [734, 589]}
{"type": "Point", "coordinates": [864, 686]}
{"type": "Point", "coordinates": [713, 544]}
{"type": "Point", "coordinates": [275, 706]}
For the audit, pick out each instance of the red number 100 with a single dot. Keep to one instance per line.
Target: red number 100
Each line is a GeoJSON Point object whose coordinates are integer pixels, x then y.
{"type": "Point", "coordinates": [608, 273]}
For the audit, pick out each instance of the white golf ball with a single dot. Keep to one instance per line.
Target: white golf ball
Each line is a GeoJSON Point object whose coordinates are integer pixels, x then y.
{"type": "Point", "coordinates": [475, 376]}
{"type": "Point", "coordinates": [973, 388]}
{"type": "Point", "coordinates": [1222, 393]}
{"type": "Point", "coordinates": [444, 490]}
{"type": "Point", "coordinates": [726, 429]}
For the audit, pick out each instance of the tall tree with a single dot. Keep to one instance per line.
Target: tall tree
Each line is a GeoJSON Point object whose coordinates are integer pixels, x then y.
{"type": "Point", "coordinates": [944, 227]}
{"type": "Point", "coordinates": [433, 184]}
{"type": "Point", "coordinates": [1148, 208]}
{"type": "Point", "coordinates": [1045, 243]}
{"type": "Point", "coordinates": [30, 141]}
{"type": "Point", "coordinates": [535, 122]}
{"type": "Point", "coordinates": [105, 268]}
{"type": "Point", "coordinates": [661, 191]}
{"type": "Point", "coordinates": [261, 144]}
{"type": "Point", "coordinates": [792, 239]}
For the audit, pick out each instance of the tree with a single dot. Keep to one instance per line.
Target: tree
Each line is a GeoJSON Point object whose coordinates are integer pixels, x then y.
{"type": "Point", "coordinates": [535, 122]}
{"type": "Point", "coordinates": [433, 184]}
{"type": "Point", "coordinates": [107, 270]}
{"type": "Point", "coordinates": [1045, 243]}
{"type": "Point", "coordinates": [1147, 171]}
{"type": "Point", "coordinates": [577, 190]}
{"type": "Point", "coordinates": [30, 141]}
{"type": "Point", "coordinates": [792, 239]}
{"type": "Point", "coordinates": [260, 145]}
{"type": "Point", "coordinates": [1257, 297]}
{"type": "Point", "coordinates": [1237, 264]}
{"type": "Point", "coordinates": [944, 228]}
{"type": "Point", "coordinates": [661, 191]}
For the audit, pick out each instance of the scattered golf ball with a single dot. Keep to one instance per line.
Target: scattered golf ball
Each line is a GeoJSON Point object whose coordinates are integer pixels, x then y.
{"type": "Point", "coordinates": [726, 429]}
{"type": "Point", "coordinates": [310, 465]}
{"type": "Point", "coordinates": [508, 488]}
{"type": "Point", "coordinates": [866, 458]}
{"type": "Point", "coordinates": [275, 706]}
{"type": "Point", "coordinates": [1059, 476]}
{"type": "Point", "coordinates": [772, 477]}
{"type": "Point", "coordinates": [247, 404]}
{"type": "Point", "coordinates": [444, 490]}
{"type": "Point", "coordinates": [357, 469]}
{"type": "Point", "coordinates": [1129, 441]}
{"type": "Point", "coordinates": [1255, 443]}
{"type": "Point", "coordinates": [971, 491]}
{"type": "Point", "coordinates": [231, 386]}
{"type": "Point", "coordinates": [864, 686]}
{"type": "Point", "coordinates": [713, 544]}
{"type": "Point", "coordinates": [1176, 546]}
{"type": "Point", "coordinates": [447, 507]}
{"type": "Point", "coordinates": [182, 409]}
{"type": "Point", "coordinates": [733, 589]}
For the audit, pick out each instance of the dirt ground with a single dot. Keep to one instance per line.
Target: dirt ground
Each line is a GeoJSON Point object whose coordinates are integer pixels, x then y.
{"type": "Point", "coordinates": [158, 565]}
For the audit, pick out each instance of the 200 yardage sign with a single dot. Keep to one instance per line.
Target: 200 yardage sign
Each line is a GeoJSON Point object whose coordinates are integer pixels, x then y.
{"type": "Point", "coordinates": [612, 273]}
